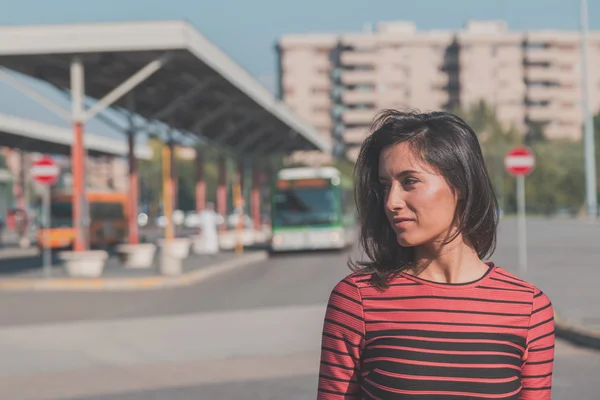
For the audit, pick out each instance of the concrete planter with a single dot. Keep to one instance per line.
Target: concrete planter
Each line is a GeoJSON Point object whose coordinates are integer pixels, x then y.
{"type": "Point", "coordinates": [199, 245]}
{"type": "Point", "coordinates": [169, 265]}
{"type": "Point", "coordinates": [84, 264]}
{"type": "Point", "coordinates": [137, 255]}
{"type": "Point", "coordinates": [172, 254]}
{"type": "Point", "coordinates": [177, 247]}
{"type": "Point", "coordinates": [229, 239]}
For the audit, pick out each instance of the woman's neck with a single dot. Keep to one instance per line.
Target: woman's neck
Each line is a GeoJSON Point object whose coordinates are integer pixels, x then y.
{"type": "Point", "coordinates": [455, 262]}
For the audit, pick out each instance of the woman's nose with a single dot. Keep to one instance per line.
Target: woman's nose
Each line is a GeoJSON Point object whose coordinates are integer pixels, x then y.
{"type": "Point", "coordinates": [395, 198]}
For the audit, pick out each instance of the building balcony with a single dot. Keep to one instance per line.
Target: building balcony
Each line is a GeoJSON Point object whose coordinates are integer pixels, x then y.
{"type": "Point", "coordinates": [321, 101]}
{"type": "Point", "coordinates": [541, 113]}
{"type": "Point", "coordinates": [358, 117]}
{"type": "Point", "coordinates": [563, 131]}
{"type": "Point", "coordinates": [322, 62]}
{"type": "Point", "coordinates": [541, 74]}
{"type": "Point", "coordinates": [358, 77]}
{"type": "Point", "coordinates": [350, 58]}
{"type": "Point", "coordinates": [565, 94]}
{"type": "Point", "coordinates": [569, 115]}
{"type": "Point", "coordinates": [552, 56]}
{"type": "Point", "coordinates": [355, 135]}
{"type": "Point", "coordinates": [508, 60]}
{"type": "Point", "coordinates": [539, 55]}
{"type": "Point", "coordinates": [321, 120]}
{"type": "Point", "coordinates": [321, 81]}
{"type": "Point", "coordinates": [566, 58]}
{"type": "Point", "coordinates": [541, 93]}
{"type": "Point", "coordinates": [566, 77]}
{"type": "Point", "coordinates": [359, 97]}
{"type": "Point", "coordinates": [511, 96]}
{"type": "Point", "coordinates": [302, 63]}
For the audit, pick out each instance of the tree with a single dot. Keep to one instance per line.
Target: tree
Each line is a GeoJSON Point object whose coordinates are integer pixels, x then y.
{"type": "Point", "coordinates": [535, 133]}
{"type": "Point", "coordinates": [495, 141]}
{"type": "Point", "coordinates": [557, 181]}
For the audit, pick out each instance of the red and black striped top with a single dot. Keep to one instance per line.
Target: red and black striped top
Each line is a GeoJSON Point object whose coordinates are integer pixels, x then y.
{"type": "Point", "coordinates": [488, 339]}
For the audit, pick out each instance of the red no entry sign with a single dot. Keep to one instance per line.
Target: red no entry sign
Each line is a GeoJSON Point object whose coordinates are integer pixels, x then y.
{"type": "Point", "coordinates": [519, 161]}
{"type": "Point", "coordinates": [45, 171]}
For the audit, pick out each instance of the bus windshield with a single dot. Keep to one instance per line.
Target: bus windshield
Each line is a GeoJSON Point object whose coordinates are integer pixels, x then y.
{"type": "Point", "coordinates": [304, 206]}
{"type": "Point", "coordinates": [61, 215]}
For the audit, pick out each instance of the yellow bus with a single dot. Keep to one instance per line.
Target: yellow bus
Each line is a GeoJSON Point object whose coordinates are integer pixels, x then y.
{"type": "Point", "coordinates": [107, 223]}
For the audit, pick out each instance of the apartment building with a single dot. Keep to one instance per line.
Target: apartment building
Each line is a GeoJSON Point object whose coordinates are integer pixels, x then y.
{"type": "Point", "coordinates": [338, 82]}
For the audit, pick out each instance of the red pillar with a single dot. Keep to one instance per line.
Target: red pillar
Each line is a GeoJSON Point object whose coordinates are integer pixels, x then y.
{"type": "Point", "coordinates": [222, 191]}
{"type": "Point", "coordinates": [255, 197]}
{"type": "Point", "coordinates": [20, 182]}
{"type": "Point", "coordinates": [133, 191]}
{"type": "Point", "coordinates": [200, 182]}
{"type": "Point", "coordinates": [77, 169]}
{"type": "Point", "coordinates": [168, 192]}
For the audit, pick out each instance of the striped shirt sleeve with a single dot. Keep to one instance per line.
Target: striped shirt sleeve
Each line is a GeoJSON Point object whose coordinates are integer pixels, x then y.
{"type": "Point", "coordinates": [536, 373]}
{"type": "Point", "coordinates": [342, 343]}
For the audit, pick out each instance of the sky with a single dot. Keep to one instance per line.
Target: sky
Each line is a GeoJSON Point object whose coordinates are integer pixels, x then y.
{"type": "Point", "coordinates": [247, 30]}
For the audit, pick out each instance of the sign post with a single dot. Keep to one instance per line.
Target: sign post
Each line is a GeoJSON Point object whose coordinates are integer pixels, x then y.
{"type": "Point", "coordinates": [519, 162]}
{"type": "Point", "coordinates": [45, 172]}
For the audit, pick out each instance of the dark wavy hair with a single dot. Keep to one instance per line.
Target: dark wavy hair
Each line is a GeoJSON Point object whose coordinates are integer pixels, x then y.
{"type": "Point", "coordinates": [445, 142]}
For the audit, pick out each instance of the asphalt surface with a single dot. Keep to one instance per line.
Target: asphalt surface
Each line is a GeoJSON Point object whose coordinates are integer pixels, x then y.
{"type": "Point", "coordinates": [249, 334]}
{"type": "Point", "coordinates": [575, 377]}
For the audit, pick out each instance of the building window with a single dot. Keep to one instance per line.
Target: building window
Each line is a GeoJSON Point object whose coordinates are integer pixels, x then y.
{"type": "Point", "coordinates": [337, 110]}
{"type": "Point", "coordinates": [337, 91]}
{"type": "Point", "coordinates": [537, 103]}
{"type": "Point", "coordinates": [535, 46]}
{"type": "Point", "coordinates": [362, 87]}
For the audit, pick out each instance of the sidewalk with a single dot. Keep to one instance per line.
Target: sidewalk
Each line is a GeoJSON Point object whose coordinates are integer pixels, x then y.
{"type": "Point", "coordinates": [564, 262]}
{"type": "Point", "coordinates": [24, 272]}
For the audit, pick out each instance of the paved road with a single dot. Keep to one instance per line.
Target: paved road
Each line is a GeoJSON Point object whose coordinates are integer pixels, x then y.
{"type": "Point", "coordinates": [251, 334]}
{"type": "Point", "coordinates": [575, 377]}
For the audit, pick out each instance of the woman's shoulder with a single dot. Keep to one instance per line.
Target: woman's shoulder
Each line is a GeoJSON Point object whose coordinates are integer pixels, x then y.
{"type": "Point", "coordinates": [359, 280]}
{"type": "Point", "coordinates": [502, 277]}
{"type": "Point", "coordinates": [355, 279]}
{"type": "Point", "coordinates": [366, 283]}
{"type": "Point", "coordinates": [352, 284]}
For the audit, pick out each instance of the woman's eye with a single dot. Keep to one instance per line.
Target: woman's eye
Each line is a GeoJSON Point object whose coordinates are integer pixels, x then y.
{"type": "Point", "coordinates": [410, 181]}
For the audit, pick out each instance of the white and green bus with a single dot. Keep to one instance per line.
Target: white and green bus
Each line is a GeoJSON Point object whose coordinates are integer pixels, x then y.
{"type": "Point", "coordinates": [312, 209]}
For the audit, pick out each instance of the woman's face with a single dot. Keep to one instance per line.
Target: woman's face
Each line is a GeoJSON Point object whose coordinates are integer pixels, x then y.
{"type": "Point", "coordinates": [419, 203]}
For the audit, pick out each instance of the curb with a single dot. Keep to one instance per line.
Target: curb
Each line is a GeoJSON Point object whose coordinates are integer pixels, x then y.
{"type": "Point", "coordinates": [575, 334]}
{"type": "Point", "coordinates": [145, 283]}
{"type": "Point", "coordinates": [8, 253]}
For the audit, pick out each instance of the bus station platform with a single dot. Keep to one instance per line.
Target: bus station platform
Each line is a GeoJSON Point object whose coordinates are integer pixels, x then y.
{"type": "Point", "coordinates": [21, 270]}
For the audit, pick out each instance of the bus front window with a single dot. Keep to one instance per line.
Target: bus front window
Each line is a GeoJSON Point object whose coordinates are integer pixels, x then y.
{"type": "Point", "coordinates": [61, 215]}
{"type": "Point", "coordinates": [304, 207]}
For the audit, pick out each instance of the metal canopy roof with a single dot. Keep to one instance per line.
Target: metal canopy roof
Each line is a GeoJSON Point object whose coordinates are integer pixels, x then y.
{"type": "Point", "coordinates": [43, 138]}
{"type": "Point", "coordinates": [197, 88]}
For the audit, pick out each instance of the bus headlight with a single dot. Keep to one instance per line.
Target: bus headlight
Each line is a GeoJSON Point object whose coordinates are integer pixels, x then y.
{"type": "Point", "coordinates": [335, 236]}
{"type": "Point", "coordinates": [277, 240]}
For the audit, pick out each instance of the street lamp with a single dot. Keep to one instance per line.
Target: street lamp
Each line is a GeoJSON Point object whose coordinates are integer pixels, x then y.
{"type": "Point", "coordinates": [590, 161]}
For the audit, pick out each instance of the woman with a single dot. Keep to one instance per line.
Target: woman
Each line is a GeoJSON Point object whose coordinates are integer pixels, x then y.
{"type": "Point", "coordinates": [425, 317]}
